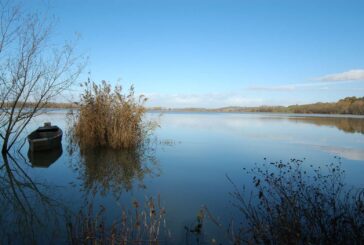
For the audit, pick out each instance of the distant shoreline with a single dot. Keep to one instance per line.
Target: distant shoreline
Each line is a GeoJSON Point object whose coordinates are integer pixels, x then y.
{"type": "Point", "coordinates": [258, 112]}
{"type": "Point", "coordinates": [346, 106]}
{"type": "Point", "coordinates": [149, 110]}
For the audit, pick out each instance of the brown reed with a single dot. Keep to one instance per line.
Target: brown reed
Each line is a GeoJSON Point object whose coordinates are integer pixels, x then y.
{"type": "Point", "coordinates": [108, 117]}
{"type": "Point", "coordinates": [141, 224]}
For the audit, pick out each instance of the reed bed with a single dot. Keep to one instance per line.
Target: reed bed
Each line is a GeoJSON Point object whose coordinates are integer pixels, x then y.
{"type": "Point", "coordinates": [109, 118]}
{"type": "Point", "coordinates": [139, 225]}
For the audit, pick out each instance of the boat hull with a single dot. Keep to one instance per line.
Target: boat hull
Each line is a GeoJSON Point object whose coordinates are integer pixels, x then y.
{"type": "Point", "coordinates": [45, 138]}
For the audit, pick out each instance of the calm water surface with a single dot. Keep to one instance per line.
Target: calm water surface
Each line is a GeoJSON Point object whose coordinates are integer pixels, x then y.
{"type": "Point", "coordinates": [187, 167]}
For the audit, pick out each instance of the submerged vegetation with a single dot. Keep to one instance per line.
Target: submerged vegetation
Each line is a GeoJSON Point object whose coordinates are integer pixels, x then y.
{"type": "Point", "coordinates": [141, 225]}
{"type": "Point", "coordinates": [298, 204]}
{"type": "Point", "coordinates": [109, 118]}
{"type": "Point", "coordinates": [288, 203]}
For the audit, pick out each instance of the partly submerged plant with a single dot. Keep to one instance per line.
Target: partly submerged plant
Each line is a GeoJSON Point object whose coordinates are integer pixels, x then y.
{"type": "Point", "coordinates": [138, 225]}
{"type": "Point", "coordinates": [110, 118]}
{"type": "Point", "coordinates": [296, 204]}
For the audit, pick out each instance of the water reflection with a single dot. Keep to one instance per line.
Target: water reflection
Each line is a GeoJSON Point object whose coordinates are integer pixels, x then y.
{"type": "Point", "coordinates": [28, 212]}
{"type": "Point", "coordinates": [348, 153]}
{"type": "Point", "coordinates": [104, 170]}
{"type": "Point", "coordinates": [43, 159]}
{"type": "Point", "coordinates": [236, 122]}
{"type": "Point", "coordinates": [349, 125]}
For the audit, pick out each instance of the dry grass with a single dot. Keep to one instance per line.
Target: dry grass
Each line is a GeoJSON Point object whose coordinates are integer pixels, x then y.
{"type": "Point", "coordinates": [107, 117]}
{"type": "Point", "coordinates": [293, 204]}
{"type": "Point", "coordinates": [141, 225]}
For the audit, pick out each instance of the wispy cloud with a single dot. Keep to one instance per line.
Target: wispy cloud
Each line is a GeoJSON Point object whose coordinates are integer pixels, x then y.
{"type": "Point", "coordinates": [320, 83]}
{"type": "Point", "coordinates": [352, 75]}
{"type": "Point", "coordinates": [208, 100]}
{"type": "Point", "coordinates": [279, 88]}
{"type": "Point", "coordinates": [248, 95]}
{"type": "Point", "coordinates": [289, 87]}
{"type": "Point", "coordinates": [348, 153]}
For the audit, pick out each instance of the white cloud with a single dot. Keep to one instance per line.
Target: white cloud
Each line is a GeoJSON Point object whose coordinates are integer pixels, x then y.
{"type": "Point", "coordinates": [324, 81]}
{"type": "Point", "coordinates": [352, 75]}
{"type": "Point", "coordinates": [280, 88]}
{"type": "Point", "coordinates": [348, 153]}
{"type": "Point", "coordinates": [208, 100]}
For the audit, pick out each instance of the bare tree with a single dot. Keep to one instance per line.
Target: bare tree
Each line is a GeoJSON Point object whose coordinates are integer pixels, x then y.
{"type": "Point", "coordinates": [32, 71]}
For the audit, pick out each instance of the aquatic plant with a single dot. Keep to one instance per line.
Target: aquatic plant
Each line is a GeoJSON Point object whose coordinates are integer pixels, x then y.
{"type": "Point", "coordinates": [139, 225]}
{"type": "Point", "coordinates": [293, 203]}
{"type": "Point", "coordinates": [107, 117]}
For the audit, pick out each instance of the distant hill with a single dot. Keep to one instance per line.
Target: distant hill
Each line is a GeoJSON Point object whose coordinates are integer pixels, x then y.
{"type": "Point", "coordinates": [348, 105]}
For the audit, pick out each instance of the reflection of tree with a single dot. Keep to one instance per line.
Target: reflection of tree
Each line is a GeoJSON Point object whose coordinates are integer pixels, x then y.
{"type": "Point", "coordinates": [105, 170]}
{"type": "Point", "coordinates": [25, 210]}
{"type": "Point", "coordinates": [351, 125]}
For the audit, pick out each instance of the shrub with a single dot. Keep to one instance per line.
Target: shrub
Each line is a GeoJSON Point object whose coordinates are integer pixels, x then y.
{"type": "Point", "coordinates": [107, 117]}
{"type": "Point", "coordinates": [297, 205]}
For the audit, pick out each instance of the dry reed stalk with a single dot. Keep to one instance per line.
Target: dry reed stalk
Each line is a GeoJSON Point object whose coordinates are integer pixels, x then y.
{"type": "Point", "coordinates": [107, 117]}
{"type": "Point", "coordinates": [140, 225]}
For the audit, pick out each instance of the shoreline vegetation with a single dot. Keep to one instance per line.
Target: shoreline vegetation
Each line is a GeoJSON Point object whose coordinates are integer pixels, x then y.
{"type": "Point", "coordinates": [347, 106]}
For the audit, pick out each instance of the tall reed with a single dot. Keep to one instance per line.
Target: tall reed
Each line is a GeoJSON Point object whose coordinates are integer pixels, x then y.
{"type": "Point", "coordinates": [108, 117]}
{"type": "Point", "coordinates": [141, 224]}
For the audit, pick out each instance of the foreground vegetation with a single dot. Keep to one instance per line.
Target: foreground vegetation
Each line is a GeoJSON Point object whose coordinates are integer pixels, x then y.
{"type": "Point", "coordinates": [288, 203]}
{"type": "Point", "coordinates": [141, 225]}
{"type": "Point", "coordinates": [299, 204]}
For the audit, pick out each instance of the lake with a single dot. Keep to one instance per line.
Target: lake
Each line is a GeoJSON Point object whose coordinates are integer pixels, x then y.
{"type": "Point", "coordinates": [187, 166]}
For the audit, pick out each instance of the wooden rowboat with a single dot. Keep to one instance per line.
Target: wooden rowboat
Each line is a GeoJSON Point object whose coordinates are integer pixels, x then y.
{"type": "Point", "coordinates": [45, 138]}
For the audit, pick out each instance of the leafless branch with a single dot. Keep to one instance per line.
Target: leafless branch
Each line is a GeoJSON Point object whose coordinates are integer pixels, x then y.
{"type": "Point", "coordinates": [32, 72]}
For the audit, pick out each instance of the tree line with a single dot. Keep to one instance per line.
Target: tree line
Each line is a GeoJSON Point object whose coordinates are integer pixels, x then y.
{"type": "Point", "coordinates": [349, 105]}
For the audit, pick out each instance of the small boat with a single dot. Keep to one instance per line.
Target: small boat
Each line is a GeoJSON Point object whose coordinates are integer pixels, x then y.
{"type": "Point", "coordinates": [45, 138]}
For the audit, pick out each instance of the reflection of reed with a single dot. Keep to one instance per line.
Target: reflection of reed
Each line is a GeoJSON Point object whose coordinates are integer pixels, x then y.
{"type": "Point", "coordinates": [104, 170]}
{"type": "Point", "coordinates": [350, 125]}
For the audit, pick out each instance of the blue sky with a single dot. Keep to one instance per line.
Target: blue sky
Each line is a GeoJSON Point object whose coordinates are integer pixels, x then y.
{"type": "Point", "coordinates": [220, 53]}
